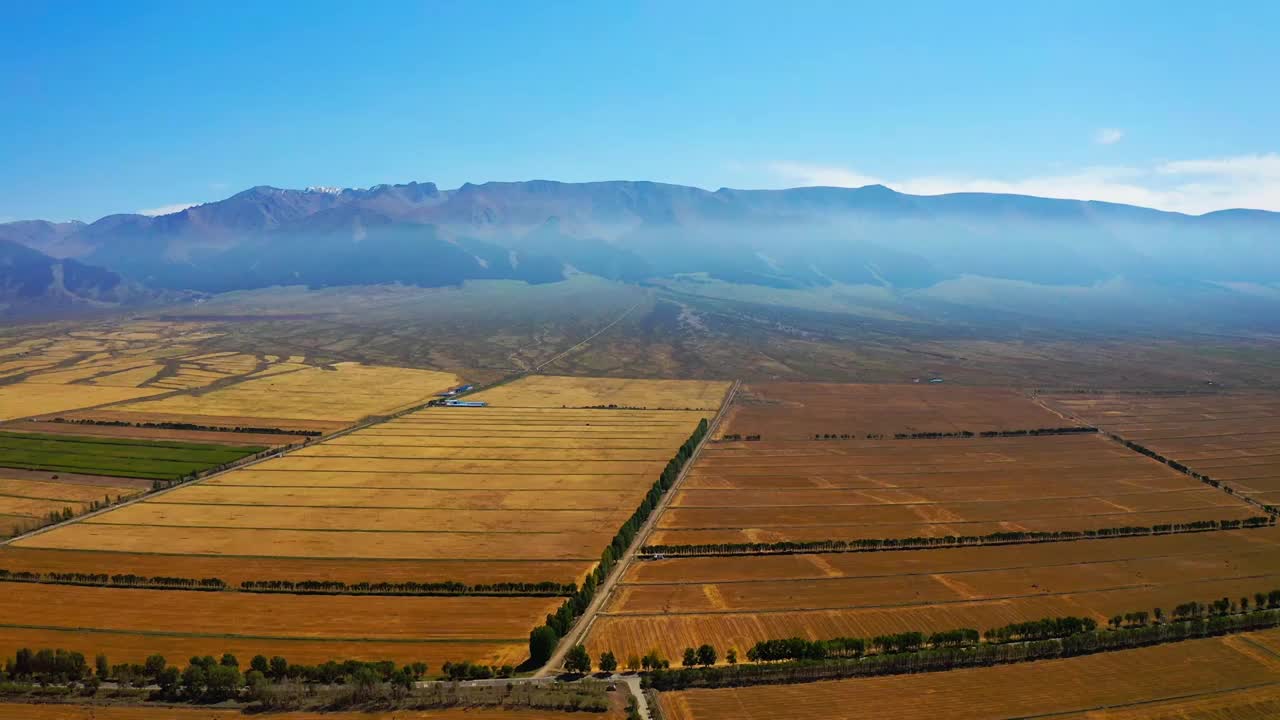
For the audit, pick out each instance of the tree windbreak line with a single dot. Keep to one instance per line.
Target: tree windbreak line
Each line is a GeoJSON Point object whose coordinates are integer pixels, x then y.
{"type": "Point", "coordinates": [190, 426]}
{"type": "Point", "coordinates": [792, 547]}
{"type": "Point", "coordinates": [795, 660]}
{"type": "Point", "coordinates": [334, 587]}
{"type": "Point", "coordinates": [302, 587]}
{"type": "Point", "coordinates": [275, 684]}
{"type": "Point", "coordinates": [544, 638]}
{"type": "Point", "coordinates": [1207, 480]}
{"type": "Point", "coordinates": [1029, 432]}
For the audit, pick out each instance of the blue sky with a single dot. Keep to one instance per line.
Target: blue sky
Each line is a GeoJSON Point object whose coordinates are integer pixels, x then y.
{"type": "Point", "coordinates": [122, 107]}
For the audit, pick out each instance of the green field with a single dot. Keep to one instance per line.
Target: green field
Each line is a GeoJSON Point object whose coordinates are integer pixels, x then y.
{"type": "Point", "coordinates": [151, 460]}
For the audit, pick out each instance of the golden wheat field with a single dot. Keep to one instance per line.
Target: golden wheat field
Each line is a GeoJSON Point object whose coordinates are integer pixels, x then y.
{"type": "Point", "coordinates": [544, 484]}
{"type": "Point", "coordinates": [1161, 680]}
{"type": "Point", "coordinates": [553, 391]}
{"type": "Point", "coordinates": [344, 391]}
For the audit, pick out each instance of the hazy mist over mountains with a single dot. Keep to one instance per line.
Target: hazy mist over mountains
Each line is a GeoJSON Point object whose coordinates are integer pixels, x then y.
{"type": "Point", "coordinates": [537, 231]}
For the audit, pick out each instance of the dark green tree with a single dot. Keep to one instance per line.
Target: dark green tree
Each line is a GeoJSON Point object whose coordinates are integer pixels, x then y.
{"type": "Point", "coordinates": [260, 663]}
{"type": "Point", "coordinates": [706, 655]}
{"type": "Point", "coordinates": [690, 657]}
{"type": "Point", "coordinates": [542, 642]}
{"type": "Point", "coordinates": [608, 662]}
{"type": "Point", "coordinates": [577, 660]}
{"type": "Point", "coordinates": [279, 667]}
{"type": "Point", "coordinates": [154, 665]}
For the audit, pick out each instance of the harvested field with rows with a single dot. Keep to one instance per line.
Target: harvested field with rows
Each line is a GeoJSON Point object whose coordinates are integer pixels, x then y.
{"type": "Point", "coordinates": [770, 491]}
{"type": "Point", "coordinates": [1232, 438]}
{"type": "Point", "coordinates": [130, 624]}
{"type": "Point", "coordinates": [553, 391]}
{"type": "Point", "coordinates": [359, 496]}
{"type": "Point", "coordinates": [310, 393]}
{"type": "Point", "coordinates": [235, 569]}
{"type": "Point", "coordinates": [28, 497]}
{"type": "Point", "coordinates": [798, 411]}
{"type": "Point", "coordinates": [1219, 678]}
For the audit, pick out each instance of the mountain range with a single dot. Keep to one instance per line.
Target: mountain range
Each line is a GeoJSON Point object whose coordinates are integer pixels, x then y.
{"type": "Point", "coordinates": [537, 231]}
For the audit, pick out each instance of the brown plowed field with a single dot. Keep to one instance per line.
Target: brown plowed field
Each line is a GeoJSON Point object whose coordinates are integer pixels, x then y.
{"type": "Point", "coordinates": [1234, 438]}
{"type": "Point", "coordinates": [1219, 678]}
{"type": "Point", "coordinates": [810, 490]}
{"type": "Point", "coordinates": [952, 560]}
{"type": "Point", "coordinates": [796, 411]}
{"type": "Point", "coordinates": [823, 490]}
{"type": "Point", "coordinates": [671, 633]}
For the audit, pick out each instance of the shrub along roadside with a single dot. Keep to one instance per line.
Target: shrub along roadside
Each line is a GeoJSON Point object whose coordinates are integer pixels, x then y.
{"type": "Point", "coordinates": [916, 543]}
{"type": "Point", "coordinates": [563, 619]}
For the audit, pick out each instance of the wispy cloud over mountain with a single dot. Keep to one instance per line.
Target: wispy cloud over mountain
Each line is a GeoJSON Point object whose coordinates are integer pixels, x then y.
{"type": "Point", "coordinates": [1192, 186]}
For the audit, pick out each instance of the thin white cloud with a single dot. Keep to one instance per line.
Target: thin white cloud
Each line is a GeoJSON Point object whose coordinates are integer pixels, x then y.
{"type": "Point", "coordinates": [1252, 167]}
{"type": "Point", "coordinates": [1189, 186]}
{"type": "Point", "coordinates": [167, 209]}
{"type": "Point", "coordinates": [821, 175]}
{"type": "Point", "coordinates": [1108, 136]}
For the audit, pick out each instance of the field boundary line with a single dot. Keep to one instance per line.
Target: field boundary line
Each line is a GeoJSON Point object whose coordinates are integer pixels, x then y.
{"type": "Point", "coordinates": [582, 627]}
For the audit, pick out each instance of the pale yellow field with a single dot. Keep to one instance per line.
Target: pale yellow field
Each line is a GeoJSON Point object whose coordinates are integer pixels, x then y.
{"type": "Point", "coordinates": [432, 521]}
{"type": "Point", "coordinates": [558, 391]}
{"type": "Point", "coordinates": [322, 544]}
{"type": "Point", "coordinates": [27, 399]}
{"type": "Point", "coordinates": [349, 392]}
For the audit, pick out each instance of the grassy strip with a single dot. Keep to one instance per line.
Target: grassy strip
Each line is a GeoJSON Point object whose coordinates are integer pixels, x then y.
{"type": "Point", "coordinates": [948, 541]}
{"type": "Point", "coordinates": [96, 440]}
{"type": "Point", "coordinates": [800, 660]}
{"type": "Point", "coordinates": [131, 452]}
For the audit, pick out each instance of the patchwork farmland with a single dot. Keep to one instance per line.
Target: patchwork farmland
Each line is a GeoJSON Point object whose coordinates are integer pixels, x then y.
{"type": "Point", "coordinates": [522, 494]}
{"type": "Point", "coordinates": [1046, 520]}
